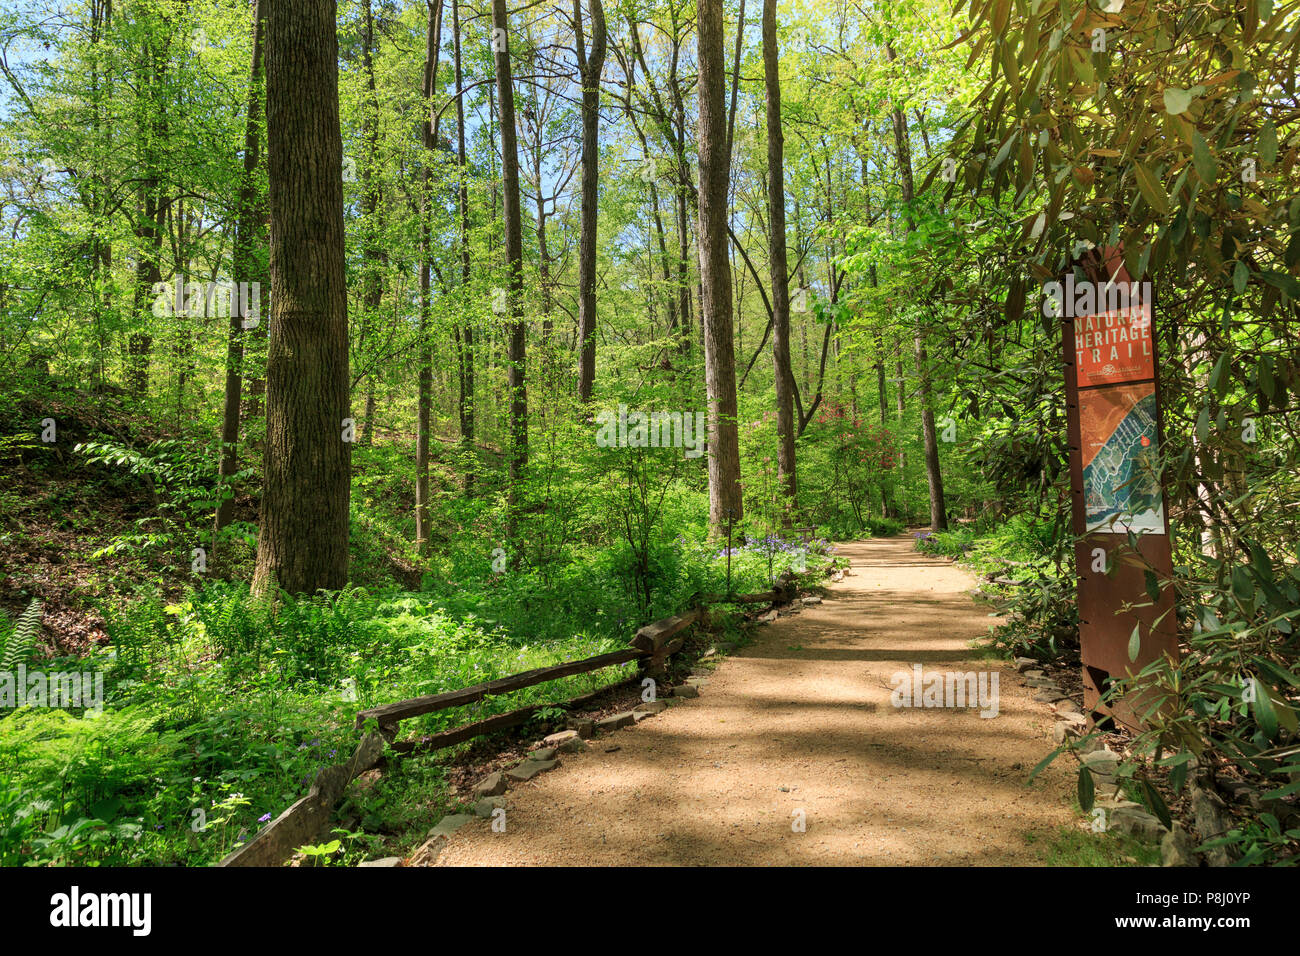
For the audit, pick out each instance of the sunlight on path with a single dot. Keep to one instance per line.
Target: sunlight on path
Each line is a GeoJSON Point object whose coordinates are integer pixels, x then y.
{"type": "Point", "coordinates": [801, 721]}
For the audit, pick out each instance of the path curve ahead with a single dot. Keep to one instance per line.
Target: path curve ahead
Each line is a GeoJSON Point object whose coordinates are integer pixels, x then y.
{"type": "Point", "coordinates": [801, 719]}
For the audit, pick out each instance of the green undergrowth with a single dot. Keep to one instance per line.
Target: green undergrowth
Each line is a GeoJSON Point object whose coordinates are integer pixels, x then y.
{"type": "Point", "coordinates": [221, 707]}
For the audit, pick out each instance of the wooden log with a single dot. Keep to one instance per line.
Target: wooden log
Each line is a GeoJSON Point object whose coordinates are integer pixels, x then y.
{"type": "Point", "coordinates": [499, 722]}
{"type": "Point", "coordinates": [307, 817]}
{"type": "Point", "coordinates": [651, 637]}
{"type": "Point", "coordinates": [391, 713]}
{"type": "Point", "coordinates": [449, 738]}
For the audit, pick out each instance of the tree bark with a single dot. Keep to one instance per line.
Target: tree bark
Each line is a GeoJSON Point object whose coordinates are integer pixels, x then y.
{"type": "Point", "coordinates": [466, 351]}
{"type": "Point", "coordinates": [514, 245]}
{"type": "Point", "coordinates": [590, 65]}
{"type": "Point", "coordinates": [243, 259]}
{"type": "Point", "coordinates": [785, 454]}
{"type": "Point", "coordinates": [303, 540]}
{"type": "Point", "coordinates": [425, 387]}
{"type": "Point", "coordinates": [725, 505]}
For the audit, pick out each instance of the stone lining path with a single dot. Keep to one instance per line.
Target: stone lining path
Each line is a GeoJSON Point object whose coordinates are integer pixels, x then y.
{"type": "Point", "coordinates": [801, 720]}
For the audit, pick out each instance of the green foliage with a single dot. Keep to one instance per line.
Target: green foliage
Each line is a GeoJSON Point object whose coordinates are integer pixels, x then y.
{"type": "Point", "coordinates": [17, 641]}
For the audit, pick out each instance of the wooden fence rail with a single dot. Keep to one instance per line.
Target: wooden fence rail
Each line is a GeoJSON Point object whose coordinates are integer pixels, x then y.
{"type": "Point", "coordinates": [652, 644]}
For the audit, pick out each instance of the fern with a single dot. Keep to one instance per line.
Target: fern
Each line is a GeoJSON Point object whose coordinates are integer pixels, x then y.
{"type": "Point", "coordinates": [20, 641]}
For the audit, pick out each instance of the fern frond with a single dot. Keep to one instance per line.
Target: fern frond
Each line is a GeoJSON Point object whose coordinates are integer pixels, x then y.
{"type": "Point", "coordinates": [22, 639]}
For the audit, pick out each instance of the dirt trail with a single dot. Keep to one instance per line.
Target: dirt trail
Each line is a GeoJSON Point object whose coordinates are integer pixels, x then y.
{"type": "Point", "coordinates": [801, 719]}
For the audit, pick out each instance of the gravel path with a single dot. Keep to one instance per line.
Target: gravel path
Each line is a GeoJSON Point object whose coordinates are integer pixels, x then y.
{"type": "Point", "coordinates": [800, 724]}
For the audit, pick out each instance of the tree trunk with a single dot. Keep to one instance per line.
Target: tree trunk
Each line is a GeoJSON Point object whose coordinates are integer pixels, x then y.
{"type": "Point", "coordinates": [466, 352]}
{"type": "Point", "coordinates": [425, 400]}
{"type": "Point", "coordinates": [243, 259]}
{"type": "Point", "coordinates": [303, 542]}
{"type": "Point", "coordinates": [725, 504]}
{"type": "Point", "coordinates": [590, 66]}
{"type": "Point", "coordinates": [938, 511]}
{"type": "Point", "coordinates": [779, 267]}
{"type": "Point", "coordinates": [514, 246]}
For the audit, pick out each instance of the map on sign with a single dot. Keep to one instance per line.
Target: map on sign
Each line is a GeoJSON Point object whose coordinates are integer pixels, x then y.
{"type": "Point", "coordinates": [1120, 487]}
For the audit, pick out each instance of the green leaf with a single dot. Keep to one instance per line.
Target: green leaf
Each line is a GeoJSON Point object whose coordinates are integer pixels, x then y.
{"type": "Point", "coordinates": [1134, 642]}
{"type": "Point", "coordinates": [1243, 588]}
{"type": "Point", "coordinates": [1087, 790]}
{"type": "Point", "coordinates": [1202, 160]}
{"type": "Point", "coordinates": [1203, 426]}
{"type": "Point", "coordinates": [1262, 708]}
{"type": "Point", "coordinates": [1240, 273]}
{"type": "Point", "coordinates": [1152, 584]}
{"type": "Point", "coordinates": [1156, 804]}
{"type": "Point", "coordinates": [1268, 144]}
{"type": "Point", "coordinates": [1177, 101]}
{"type": "Point", "coordinates": [1150, 188]}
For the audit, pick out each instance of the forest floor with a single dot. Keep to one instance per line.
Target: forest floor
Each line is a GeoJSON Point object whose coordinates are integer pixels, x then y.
{"type": "Point", "coordinates": [799, 725]}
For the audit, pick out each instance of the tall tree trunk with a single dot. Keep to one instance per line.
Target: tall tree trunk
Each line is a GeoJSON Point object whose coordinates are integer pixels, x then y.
{"type": "Point", "coordinates": [590, 65]}
{"type": "Point", "coordinates": [938, 511]}
{"type": "Point", "coordinates": [466, 352]}
{"type": "Point", "coordinates": [242, 258]}
{"type": "Point", "coordinates": [514, 250]}
{"type": "Point", "coordinates": [725, 503]}
{"type": "Point", "coordinates": [303, 542]}
{"type": "Point", "coordinates": [779, 268]}
{"type": "Point", "coordinates": [425, 400]}
{"type": "Point", "coordinates": [374, 256]}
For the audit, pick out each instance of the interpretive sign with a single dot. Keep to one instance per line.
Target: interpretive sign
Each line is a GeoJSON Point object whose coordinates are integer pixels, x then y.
{"type": "Point", "coordinates": [1113, 404]}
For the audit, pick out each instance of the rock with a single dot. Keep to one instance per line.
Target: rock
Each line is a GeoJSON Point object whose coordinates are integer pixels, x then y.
{"type": "Point", "coordinates": [685, 690]}
{"type": "Point", "coordinates": [1117, 803]}
{"type": "Point", "coordinates": [1033, 674]}
{"type": "Point", "coordinates": [697, 681]}
{"type": "Point", "coordinates": [1135, 822]}
{"type": "Point", "coordinates": [709, 653]}
{"type": "Point", "coordinates": [1067, 706]}
{"type": "Point", "coordinates": [542, 753]}
{"type": "Point", "coordinates": [1025, 663]}
{"type": "Point", "coordinates": [585, 726]}
{"type": "Point", "coordinates": [449, 825]}
{"type": "Point", "coordinates": [615, 721]}
{"type": "Point", "coordinates": [812, 600]}
{"type": "Point", "coordinates": [701, 671]}
{"type": "Point", "coordinates": [561, 738]}
{"type": "Point", "coordinates": [485, 806]}
{"type": "Point", "coordinates": [386, 861]}
{"type": "Point", "coordinates": [491, 785]}
{"type": "Point", "coordinates": [1058, 733]}
{"type": "Point", "coordinates": [1239, 791]}
{"type": "Point", "coordinates": [1177, 848]}
{"type": "Point", "coordinates": [649, 708]}
{"type": "Point", "coordinates": [1042, 683]}
{"type": "Point", "coordinates": [1049, 696]}
{"type": "Point", "coordinates": [530, 768]}
{"type": "Point", "coordinates": [1073, 718]}
{"type": "Point", "coordinates": [768, 618]}
{"type": "Point", "coordinates": [1208, 811]}
{"type": "Point", "coordinates": [1102, 761]}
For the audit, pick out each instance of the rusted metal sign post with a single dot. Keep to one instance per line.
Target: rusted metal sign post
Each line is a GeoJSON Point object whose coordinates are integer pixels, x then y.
{"type": "Point", "coordinates": [1112, 387]}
